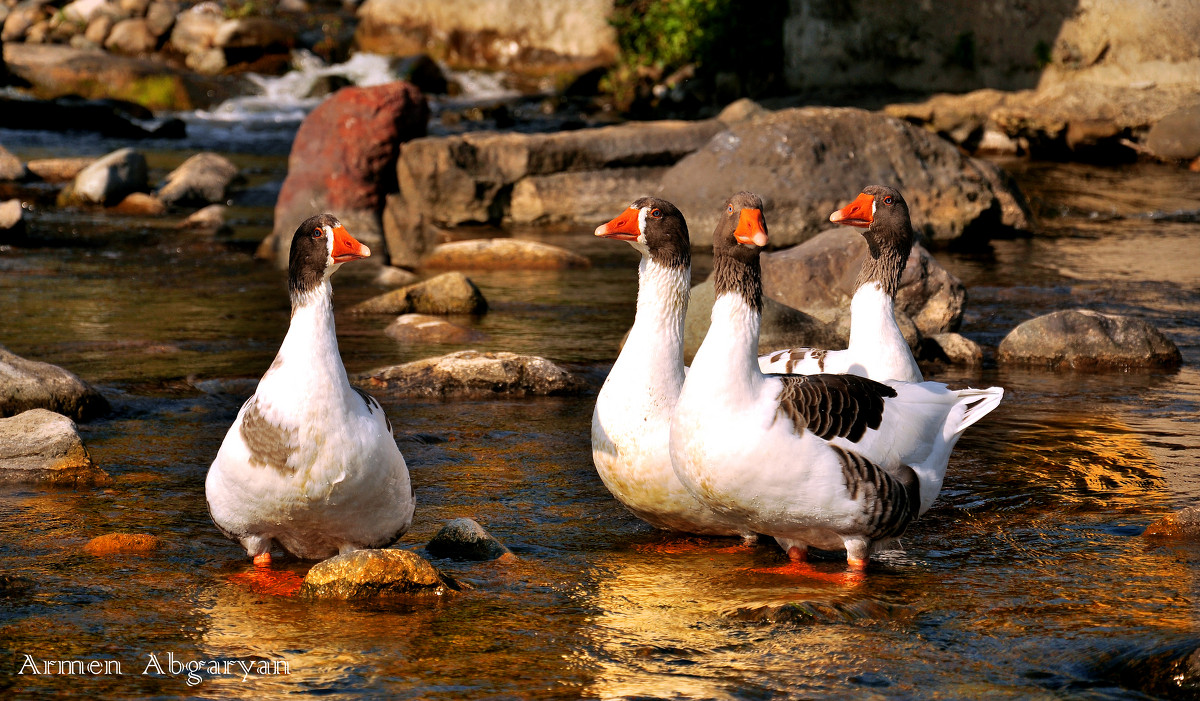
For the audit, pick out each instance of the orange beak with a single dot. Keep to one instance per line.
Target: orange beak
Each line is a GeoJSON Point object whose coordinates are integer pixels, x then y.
{"type": "Point", "coordinates": [857, 213]}
{"type": "Point", "coordinates": [751, 228]}
{"type": "Point", "coordinates": [346, 247]}
{"type": "Point", "coordinates": [623, 228]}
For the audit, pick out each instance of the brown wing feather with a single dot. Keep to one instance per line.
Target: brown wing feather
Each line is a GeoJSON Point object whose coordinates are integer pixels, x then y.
{"type": "Point", "coordinates": [890, 502]}
{"type": "Point", "coordinates": [833, 406]}
{"type": "Point", "coordinates": [270, 445]}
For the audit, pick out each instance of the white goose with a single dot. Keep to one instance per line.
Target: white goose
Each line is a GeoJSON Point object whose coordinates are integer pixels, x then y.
{"type": "Point", "coordinates": [828, 461]}
{"type": "Point", "coordinates": [632, 418]}
{"type": "Point", "coordinates": [310, 462]}
{"type": "Point", "coordinates": [876, 348]}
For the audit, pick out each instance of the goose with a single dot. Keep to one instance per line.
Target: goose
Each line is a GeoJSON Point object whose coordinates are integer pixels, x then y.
{"type": "Point", "coordinates": [632, 417]}
{"type": "Point", "coordinates": [828, 461]}
{"type": "Point", "coordinates": [310, 462]}
{"type": "Point", "coordinates": [876, 348]}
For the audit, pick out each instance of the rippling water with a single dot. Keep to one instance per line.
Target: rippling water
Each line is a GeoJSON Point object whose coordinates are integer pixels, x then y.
{"type": "Point", "coordinates": [1028, 578]}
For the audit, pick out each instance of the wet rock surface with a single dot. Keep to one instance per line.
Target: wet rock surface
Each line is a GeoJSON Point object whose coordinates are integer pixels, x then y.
{"type": "Point", "coordinates": [808, 162]}
{"type": "Point", "coordinates": [1085, 339]}
{"type": "Point", "coordinates": [465, 539]}
{"type": "Point", "coordinates": [503, 254]}
{"type": "Point", "coordinates": [123, 544]}
{"type": "Point", "coordinates": [371, 574]}
{"type": "Point", "coordinates": [448, 293]}
{"type": "Point", "coordinates": [42, 447]}
{"type": "Point", "coordinates": [1184, 523]}
{"type": "Point", "coordinates": [472, 373]}
{"type": "Point", "coordinates": [422, 328]}
{"type": "Point", "coordinates": [30, 384]}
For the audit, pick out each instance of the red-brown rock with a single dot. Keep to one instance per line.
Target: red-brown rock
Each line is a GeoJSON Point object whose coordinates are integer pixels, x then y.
{"type": "Point", "coordinates": [344, 161]}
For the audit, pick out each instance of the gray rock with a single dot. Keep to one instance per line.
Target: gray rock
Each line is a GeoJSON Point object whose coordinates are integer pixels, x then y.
{"type": "Point", "coordinates": [420, 328]}
{"type": "Point", "coordinates": [1084, 339]}
{"type": "Point", "coordinates": [109, 179]}
{"type": "Point", "coordinates": [1176, 136]}
{"type": "Point", "coordinates": [808, 162]}
{"type": "Point", "coordinates": [818, 277]}
{"type": "Point", "coordinates": [196, 27]}
{"type": "Point", "coordinates": [453, 180]}
{"type": "Point", "coordinates": [42, 447]}
{"type": "Point", "coordinates": [202, 179]}
{"type": "Point", "coordinates": [448, 293]}
{"type": "Point", "coordinates": [472, 373]}
{"type": "Point", "coordinates": [131, 37]}
{"type": "Point", "coordinates": [390, 276]}
{"type": "Point", "coordinates": [160, 17]}
{"type": "Point", "coordinates": [210, 219]}
{"type": "Point", "coordinates": [372, 574]}
{"type": "Point", "coordinates": [580, 196]}
{"type": "Point", "coordinates": [503, 254]}
{"type": "Point", "coordinates": [11, 167]}
{"type": "Point", "coordinates": [260, 33]}
{"type": "Point", "coordinates": [29, 384]}
{"type": "Point", "coordinates": [465, 539]}
{"type": "Point", "coordinates": [782, 326]}
{"type": "Point", "coordinates": [957, 349]}
{"type": "Point", "coordinates": [12, 220]}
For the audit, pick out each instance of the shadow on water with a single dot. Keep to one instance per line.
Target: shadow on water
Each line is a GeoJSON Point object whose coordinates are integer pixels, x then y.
{"type": "Point", "coordinates": [1027, 578]}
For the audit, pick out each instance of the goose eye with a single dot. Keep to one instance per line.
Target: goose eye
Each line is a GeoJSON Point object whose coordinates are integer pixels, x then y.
{"type": "Point", "coordinates": [887, 200]}
{"type": "Point", "coordinates": [318, 233]}
{"type": "Point", "coordinates": [730, 209]}
{"type": "Point", "coordinates": [656, 213]}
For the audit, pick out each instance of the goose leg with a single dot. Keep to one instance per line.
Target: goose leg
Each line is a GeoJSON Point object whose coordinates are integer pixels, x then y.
{"type": "Point", "coordinates": [858, 553]}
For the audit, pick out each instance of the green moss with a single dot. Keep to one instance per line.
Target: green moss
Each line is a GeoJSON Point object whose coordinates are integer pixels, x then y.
{"type": "Point", "coordinates": [1042, 53]}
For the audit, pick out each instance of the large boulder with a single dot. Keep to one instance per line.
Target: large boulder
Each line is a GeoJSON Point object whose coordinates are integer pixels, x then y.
{"type": "Point", "coordinates": [333, 168]}
{"type": "Point", "coordinates": [476, 374]}
{"type": "Point", "coordinates": [1085, 339]}
{"type": "Point", "coordinates": [42, 447]}
{"type": "Point", "coordinates": [54, 70]}
{"type": "Point", "coordinates": [29, 384]}
{"type": "Point", "coordinates": [547, 34]}
{"type": "Point", "coordinates": [818, 277]}
{"type": "Point", "coordinates": [807, 162]}
{"type": "Point", "coordinates": [581, 176]}
{"type": "Point", "coordinates": [465, 539]}
{"type": "Point", "coordinates": [202, 179]}
{"type": "Point", "coordinates": [503, 254]}
{"type": "Point", "coordinates": [448, 293]}
{"type": "Point", "coordinates": [370, 574]}
{"type": "Point", "coordinates": [109, 179]}
{"type": "Point", "coordinates": [782, 326]}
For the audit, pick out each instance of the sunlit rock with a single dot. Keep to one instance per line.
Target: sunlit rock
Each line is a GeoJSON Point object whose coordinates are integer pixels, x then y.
{"type": "Point", "coordinates": [472, 373]}
{"type": "Point", "coordinates": [123, 544]}
{"type": "Point", "coordinates": [465, 539]}
{"type": "Point", "coordinates": [422, 328]}
{"type": "Point", "coordinates": [202, 179]}
{"type": "Point", "coordinates": [11, 167]}
{"type": "Point", "coordinates": [1176, 136]}
{"type": "Point", "coordinates": [391, 276]}
{"type": "Point", "coordinates": [12, 220]}
{"type": "Point", "coordinates": [109, 179]}
{"type": "Point", "coordinates": [503, 254]}
{"type": "Point", "coordinates": [448, 293]}
{"type": "Point", "coordinates": [29, 384]}
{"type": "Point", "coordinates": [954, 348]}
{"type": "Point", "coordinates": [808, 162]}
{"type": "Point", "coordinates": [140, 204]}
{"type": "Point", "coordinates": [58, 170]}
{"type": "Point", "coordinates": [210, 219]}
{"type": "Point", "coordinates": [1184, 523]}
{"type": "Point", "coordinates": [42, 447]}
{"type": "Point", "coordinates": [369, 574]}
{"type": "Point", "coordinates": [1085, 339]}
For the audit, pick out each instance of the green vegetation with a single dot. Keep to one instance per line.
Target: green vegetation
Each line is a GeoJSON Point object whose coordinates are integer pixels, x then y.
{"type": "Point", "coordinates": [666, 42]}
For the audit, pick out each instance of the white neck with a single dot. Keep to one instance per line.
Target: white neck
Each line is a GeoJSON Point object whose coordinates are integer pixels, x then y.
{"type": "Point", "coordinates": [653, 351]}
{"type": "Point", "coordinates": [875, 336]}
{"type": "Point", "coordinates": [311, 340]}
{"type": "Point", "coordinates": [730, 349]}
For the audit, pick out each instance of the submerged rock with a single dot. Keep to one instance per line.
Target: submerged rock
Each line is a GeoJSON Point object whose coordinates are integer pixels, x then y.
{"type": "Point", "coordinates": [1184, 523]}
{"type": "Point", "coordinates": [30, 384]}
{"type": "Point", "coordinates": [448, 293]}
{"type": "Point", "coordinates": [421, 328]}
{"type": "Point", "coordinates": [123, 544]}
{"type": "Point", "coordinates": [503, 254]}
{"type": "Point", "coordinates": [465, 539]}
{"type": "Point", "coordinates": [475, 373]}
{"type": "Point", "coordinates": [822, 612]}
{"type": "Point", "coordinates": [370, 574]}
{"type": "Point", "coordinates": [1084, 339]}
{"type": "Point", "coordinates": [210, 219]}
{"type": "Point", "coordinates": [42, 447]}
